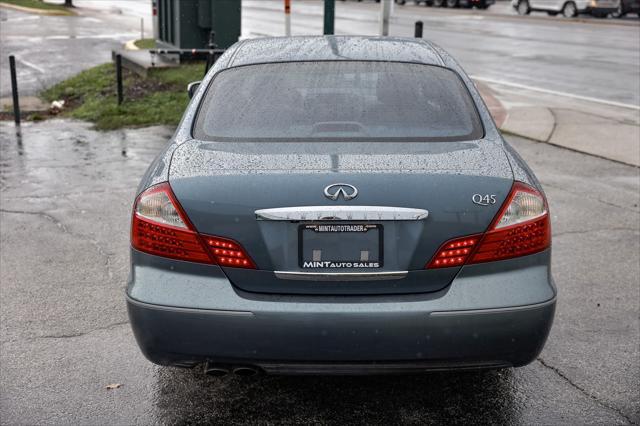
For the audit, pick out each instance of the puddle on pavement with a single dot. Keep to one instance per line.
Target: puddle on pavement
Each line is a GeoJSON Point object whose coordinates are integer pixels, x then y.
{"type": "Point", "coordinates": [40, 158]}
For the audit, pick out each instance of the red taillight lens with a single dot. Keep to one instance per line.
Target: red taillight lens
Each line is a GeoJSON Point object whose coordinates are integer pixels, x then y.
{"type": "Point", "coordinates": [454, 252]}
{"type": "Point", "coordinates": [521, 227]}
{"type": "Point", "coordinates": [166, 241]}
{"type": "Point", "coordinates": [517, 240]}
{"type": "Point", "coordinates": [228, 252]}
{"type": "Point", "coordinates": [160, 227]}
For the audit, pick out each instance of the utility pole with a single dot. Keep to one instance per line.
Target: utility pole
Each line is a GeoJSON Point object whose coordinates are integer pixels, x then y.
{"type": "Point", "coordinates": [287, 17]}
{"type": "Point", "coordinates": [329, 16]}
{"type": "Point", "coordinates": [385, 12]}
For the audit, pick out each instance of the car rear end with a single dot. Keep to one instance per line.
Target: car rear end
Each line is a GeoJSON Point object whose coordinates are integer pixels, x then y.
{"type": "Point", "coordinates": [353, 217]}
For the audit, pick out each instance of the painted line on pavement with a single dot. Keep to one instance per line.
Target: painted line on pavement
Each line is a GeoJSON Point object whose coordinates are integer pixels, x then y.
{"type": "Point", "coordinates": [555, 92]}
{"type": "Point", "coordinates": [30, 65]}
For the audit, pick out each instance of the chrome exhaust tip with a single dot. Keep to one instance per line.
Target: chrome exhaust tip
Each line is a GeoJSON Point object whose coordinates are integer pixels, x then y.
{"type": "Point", "coordinates": [215, 370]}
{"type": "Point", "coordinates": [245, 371]}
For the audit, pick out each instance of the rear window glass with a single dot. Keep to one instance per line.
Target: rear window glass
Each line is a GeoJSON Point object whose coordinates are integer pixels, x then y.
{"type": "Point", "coordinates": [338, 100]}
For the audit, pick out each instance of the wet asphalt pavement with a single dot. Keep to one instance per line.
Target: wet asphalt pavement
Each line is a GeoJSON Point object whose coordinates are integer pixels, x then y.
{"type": "Point", "coordinates": [65, 199]}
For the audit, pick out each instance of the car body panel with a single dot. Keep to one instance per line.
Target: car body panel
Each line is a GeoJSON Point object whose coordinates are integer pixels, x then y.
{"type": "Point", "coordinates": [514, 282]}
{"type": "Point", "coordinates": [329, 343]}
{"type": "Point", "coordinates": [214, 180]}
{"type": "Point", "coordinates": [221, 185]}
{"type": "Point", "coordinates": [493, 314]}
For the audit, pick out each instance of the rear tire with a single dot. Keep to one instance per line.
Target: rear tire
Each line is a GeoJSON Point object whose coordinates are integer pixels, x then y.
{"type": "Point", "coordinates": [453, 3]}
{"type": "Point", "coordinates": [619, 13]}
{"type": "Point", "coordinates": [439, 3]}
{"type": "Point", "coordinates": [523, 7]}
{"type": "Point", "coordinates": [569, 10]}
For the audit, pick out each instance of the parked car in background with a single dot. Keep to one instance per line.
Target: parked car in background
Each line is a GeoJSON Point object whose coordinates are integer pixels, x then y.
{"type": "Point", "coordinates": [480, 4]}
{"type": "Point", "coordinates": [568, 8]}
{"type": "Point", "coordinates": [627, 6]}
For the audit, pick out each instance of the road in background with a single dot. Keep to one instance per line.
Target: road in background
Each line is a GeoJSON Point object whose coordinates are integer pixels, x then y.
{"type": "Point", "coordinates": [599, 60]}
{"type": "Point", "coordinates": [65, 203]}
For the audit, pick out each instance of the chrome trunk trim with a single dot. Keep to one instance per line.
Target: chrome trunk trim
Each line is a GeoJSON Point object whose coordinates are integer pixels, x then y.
{"type": "Point", "coordinates": [366, 213]}
{"type": "Point", "coordinates": [341, 276]}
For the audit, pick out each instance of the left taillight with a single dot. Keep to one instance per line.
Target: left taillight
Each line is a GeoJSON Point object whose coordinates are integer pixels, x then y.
{"type": "Point", "coordinates": [520, 228]}
{"type": "Point", "coordinates": [160, 227]}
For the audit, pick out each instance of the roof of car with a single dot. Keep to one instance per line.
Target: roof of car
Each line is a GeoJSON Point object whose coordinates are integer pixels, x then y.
{"type": "Point", "coordinates": [319, 48]}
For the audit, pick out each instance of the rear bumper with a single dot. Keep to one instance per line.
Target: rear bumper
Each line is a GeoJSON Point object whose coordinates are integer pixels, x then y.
{"type": "Point", "coordinates": [342, 343]}
{"type": "Point", "coordinates": [492, 315]}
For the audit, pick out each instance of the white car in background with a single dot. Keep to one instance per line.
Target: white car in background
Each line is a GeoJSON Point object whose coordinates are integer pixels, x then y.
{"type": "Point", "coordinates": [568, 8]}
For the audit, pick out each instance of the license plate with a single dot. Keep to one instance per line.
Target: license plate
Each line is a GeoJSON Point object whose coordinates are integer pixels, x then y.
{"type": "Point", "coordinates": [340, 246]}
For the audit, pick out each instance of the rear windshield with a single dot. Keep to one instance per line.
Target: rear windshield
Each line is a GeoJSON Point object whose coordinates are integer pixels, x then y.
{"type": "Point", "coordinates": [338, 100]}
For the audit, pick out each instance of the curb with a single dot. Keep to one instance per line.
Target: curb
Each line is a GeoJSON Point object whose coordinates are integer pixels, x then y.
{"type": "Point", "coordinates": [569, 129]}
{"type": "Point", "coordinates": [131, 45]}
{"type": "Point", "coordinates": [576, 131]}
{"type": "Point", "coordinates": [506, 132]}
{"type": "Point", "coordinates": [27, 104]}
{"type": "Point", "coordinates": [48, 12]}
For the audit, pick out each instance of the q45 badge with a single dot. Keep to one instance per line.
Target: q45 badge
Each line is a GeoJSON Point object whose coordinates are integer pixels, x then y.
{"type": "Point", "coordinates": [483, 200]}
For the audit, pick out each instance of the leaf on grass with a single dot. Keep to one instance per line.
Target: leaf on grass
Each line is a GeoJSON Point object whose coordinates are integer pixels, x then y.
{"type": "Point", "coordinates": [114, 386]}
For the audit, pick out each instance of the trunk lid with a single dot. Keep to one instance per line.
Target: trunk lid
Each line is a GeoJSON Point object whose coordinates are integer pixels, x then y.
{"type": "Point", "coordinates": [221, 185]}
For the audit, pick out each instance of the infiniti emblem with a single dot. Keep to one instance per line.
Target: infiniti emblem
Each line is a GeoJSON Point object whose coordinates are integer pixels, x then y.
{"type": "Point", "coordinates": [348, 192]}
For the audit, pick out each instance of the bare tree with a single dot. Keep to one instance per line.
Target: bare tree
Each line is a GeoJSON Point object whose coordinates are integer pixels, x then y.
{"type": "Point", "coordinates": [68, 3]}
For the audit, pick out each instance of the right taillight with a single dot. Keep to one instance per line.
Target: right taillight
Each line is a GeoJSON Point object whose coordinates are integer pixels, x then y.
{"type": "Point", "coordinates": [160, 227]}
{"type": "Point", "coordinates": [521, 227]}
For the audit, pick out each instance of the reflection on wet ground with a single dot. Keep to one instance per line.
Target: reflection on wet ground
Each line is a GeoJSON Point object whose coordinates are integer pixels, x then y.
{"type": "Point", "coordinates": [430, 398]}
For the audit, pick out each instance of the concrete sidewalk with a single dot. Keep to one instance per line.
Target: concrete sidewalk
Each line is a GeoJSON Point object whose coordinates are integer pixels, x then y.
{"type": "Point", "coordinates": [605, 131]}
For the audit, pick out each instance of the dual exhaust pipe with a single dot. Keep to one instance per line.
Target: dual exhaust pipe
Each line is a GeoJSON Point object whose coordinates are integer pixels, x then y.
{"type": "Point", "coordinates": [217, 370]}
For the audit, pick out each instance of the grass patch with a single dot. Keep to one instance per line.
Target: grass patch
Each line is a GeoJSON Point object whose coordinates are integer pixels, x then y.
{"type": "Point", "coordinates": [38, 4]}
{"type": "Point", "coordinates": [145, 43]}
{"type": "Point", "coordinates": [159, 99]}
